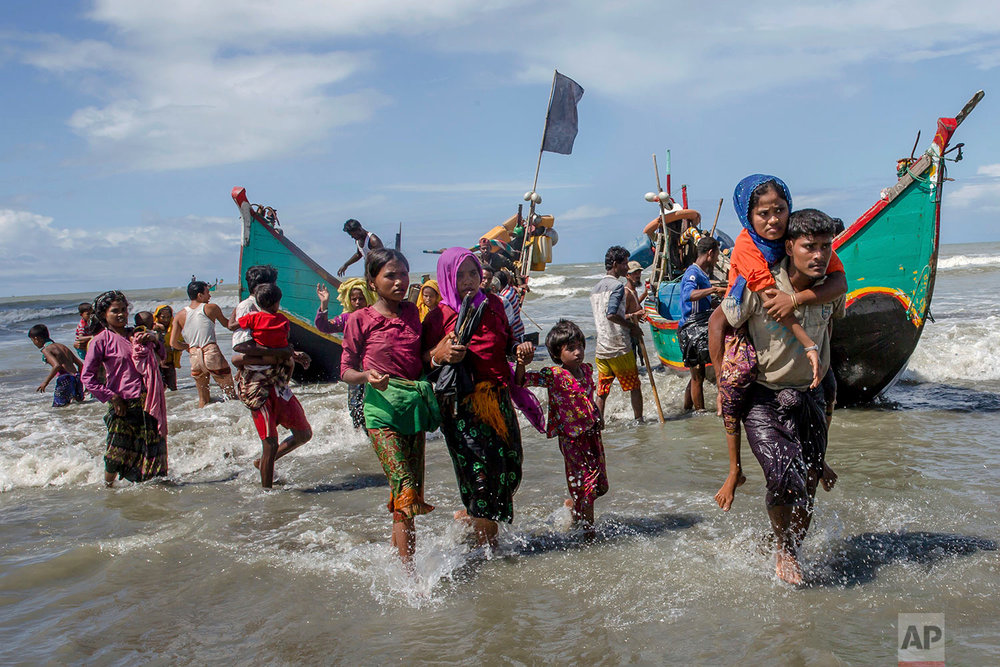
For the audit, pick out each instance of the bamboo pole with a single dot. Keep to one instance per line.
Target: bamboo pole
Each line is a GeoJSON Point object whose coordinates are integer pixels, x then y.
{"type": "Point", "coordinates": [712, 233]}
{"type": "Point", "coordinates": [652, 382]}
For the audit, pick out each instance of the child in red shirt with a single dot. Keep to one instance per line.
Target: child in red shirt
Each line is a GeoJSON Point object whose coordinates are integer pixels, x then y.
{"type": "Point", "coordinates": [268, 327]}
{"type": "Point", "coordinates": [265, 390]}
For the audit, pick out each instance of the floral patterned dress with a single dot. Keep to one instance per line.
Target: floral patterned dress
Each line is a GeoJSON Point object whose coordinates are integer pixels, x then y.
{"type": "Point", "coordinates": [574, 419]}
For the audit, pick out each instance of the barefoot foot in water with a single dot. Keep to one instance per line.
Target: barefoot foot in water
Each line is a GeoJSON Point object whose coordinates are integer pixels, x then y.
{"type": "Point", "coordinates": [829, 477]}
{"type": "Point", "coordinates": [787, 567]}
{"type": "Point", "coordinates": [728, 491]}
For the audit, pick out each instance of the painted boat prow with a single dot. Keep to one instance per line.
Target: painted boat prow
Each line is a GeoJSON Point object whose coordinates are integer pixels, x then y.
{"type": "Point", "coordinates": [298, 274]}
{"type": "Point", "coordinates": [890, 255]}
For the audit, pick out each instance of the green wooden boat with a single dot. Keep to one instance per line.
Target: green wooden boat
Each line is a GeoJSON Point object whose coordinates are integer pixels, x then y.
{"type": "Point", "coordinates": [890, 254]}
{"type": "Point", "coordinates": [263, 242]}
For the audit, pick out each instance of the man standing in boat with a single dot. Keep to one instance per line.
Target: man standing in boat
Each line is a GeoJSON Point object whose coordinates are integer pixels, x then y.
{"type": "Point", "coordinates": [365, 240]}
{"type": "Point", "coordinates": [615, 331]}
{"type": "Point", "coordinates": [696, 308]}
{"type": "Point", "coordinates": [783, 415]}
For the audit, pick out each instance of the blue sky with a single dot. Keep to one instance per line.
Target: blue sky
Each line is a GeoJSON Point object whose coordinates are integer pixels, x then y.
{"type": "Point", "coordinates": [126, 123]}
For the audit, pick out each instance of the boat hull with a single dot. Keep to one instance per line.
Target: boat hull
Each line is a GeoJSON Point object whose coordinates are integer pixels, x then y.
{"type": "Point", "coordinates": [298, 274]}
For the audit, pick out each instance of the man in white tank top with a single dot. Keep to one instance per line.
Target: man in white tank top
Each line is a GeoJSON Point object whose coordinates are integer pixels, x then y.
{"type": "Point", "coordinates": [363, 239]}
{"type": "Point", "coordinates": [196, 323]}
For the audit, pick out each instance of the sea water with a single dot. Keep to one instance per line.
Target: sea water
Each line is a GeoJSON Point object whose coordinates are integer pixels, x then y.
{"type": "Point", "coordinates": [205, 567]}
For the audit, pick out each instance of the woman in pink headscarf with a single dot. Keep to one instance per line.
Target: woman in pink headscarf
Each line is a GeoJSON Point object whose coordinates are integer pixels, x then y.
{"type": "Point", "coordinates": [480, 428]}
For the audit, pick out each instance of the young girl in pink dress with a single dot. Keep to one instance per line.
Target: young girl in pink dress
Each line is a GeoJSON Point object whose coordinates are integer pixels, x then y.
{"type": "Point", "coordinates": [573, 416]}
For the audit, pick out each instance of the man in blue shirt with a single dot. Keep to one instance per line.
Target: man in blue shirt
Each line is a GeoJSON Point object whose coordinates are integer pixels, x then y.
{"type": "Point", "coordinates": [696, 307]}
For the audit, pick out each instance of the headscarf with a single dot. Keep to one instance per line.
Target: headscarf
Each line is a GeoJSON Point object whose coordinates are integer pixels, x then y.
{"type": "Point", "coordinates": [747, 265]}
{"type": "Point", "coordinates": [447, 275]}
{"type": "Point", "coordinates": [422, 307]}
{"type": "Point", "coordinates": [773, 251]}
{"type": "Point", "coordinates": [344, 292]}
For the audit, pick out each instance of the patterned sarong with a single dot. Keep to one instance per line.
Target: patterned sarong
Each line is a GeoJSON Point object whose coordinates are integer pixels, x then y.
{"type": "Point", "coordinates": [484, 442]}
{"type": "Point", "coordinates": [786, 431]}
{"type": "Point", "coordinates": [135, 451]}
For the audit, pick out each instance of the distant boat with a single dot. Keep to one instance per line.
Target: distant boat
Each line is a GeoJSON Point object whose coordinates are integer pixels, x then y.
{"type": "Point", "coordinates": [263, 242]}
{"type": "Point", "coordinates": [890, 254]}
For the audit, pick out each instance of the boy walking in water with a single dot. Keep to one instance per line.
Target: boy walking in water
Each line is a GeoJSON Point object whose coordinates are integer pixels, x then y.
{"type": "Point", "coordinates": [65, 365]}
{"type": "Point", "coordinates": [784, 419]}
{"type": "Point", "coordinates": [196, 323]}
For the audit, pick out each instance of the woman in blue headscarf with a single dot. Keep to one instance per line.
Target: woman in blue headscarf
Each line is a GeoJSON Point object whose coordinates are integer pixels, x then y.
{"type": "Point", "coordinates": [763, 204]}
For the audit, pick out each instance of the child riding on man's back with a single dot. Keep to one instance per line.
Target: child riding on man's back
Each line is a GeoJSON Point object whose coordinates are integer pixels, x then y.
{"type": "Point", "coordinates": [268, 327]}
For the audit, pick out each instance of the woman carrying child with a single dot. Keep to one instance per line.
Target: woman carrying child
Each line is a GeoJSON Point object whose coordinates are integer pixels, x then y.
{"type": "Point", "coordinates": [353, 294]}
{"type": "Point", "coordinates": [573, 416]}
{"type": "Point", "coordinates": [382, 354]}
{"type": "Point", "coordinates": [763, 204]}
{"type": "Point", "coordinates": [136, 418]}
{"type": "Point", "coordinates": [480, 428]}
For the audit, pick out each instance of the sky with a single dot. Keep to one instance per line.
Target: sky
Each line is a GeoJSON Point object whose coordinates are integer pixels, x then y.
{"type": "Point", "coordinates": [126, 123]}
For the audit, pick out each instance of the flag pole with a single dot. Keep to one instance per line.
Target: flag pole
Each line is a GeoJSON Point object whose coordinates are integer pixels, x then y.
{"type": "Point", "coordinates": [541, 148]}
{"type": "Point", "coordinates": [525, 248]}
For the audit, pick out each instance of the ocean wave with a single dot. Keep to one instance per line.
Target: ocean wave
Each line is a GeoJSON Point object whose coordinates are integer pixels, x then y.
{"type": "Point", "coordinates": [548, 279]}
{"type": "Point", "coordinates": [560, 292]}
{"type": "Point", "coordinates": [968, 262]}
{"type": "Point", "coordinates": [957, 350]}
{"type": "Point", "coordinates": [16, 315]}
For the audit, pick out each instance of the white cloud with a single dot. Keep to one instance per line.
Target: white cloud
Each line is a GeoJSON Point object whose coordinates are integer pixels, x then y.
{"type": "Point", "coordinates": [192, 83]}
{"type": "Point", "coordinates": [37, 251]}
{"type": "Point", "coordinates": [586, 212]}
{"type": "Point", "coordinates": [991, 170]}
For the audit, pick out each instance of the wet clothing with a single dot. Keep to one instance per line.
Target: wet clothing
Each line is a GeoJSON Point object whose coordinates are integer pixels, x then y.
{"type": "Point", "coordinates": [622, 367]}
{"type": "Point", "coordinates": [199, 328]}
{"type": "Point", "coordinates": [209, 361]}
{"type": "Point", "coordinates": [402, 459]}
{"type": "Point", "coordinates": [512, 307]}
{"type": "Point", "coordinates": [135, 449]}
{"type": "Point", "coordinates": [253, 386]}
{"type": "Point", "coordinates": [693, 339]}
{"type": "Point", "coordinates": [267, 329]}
{"type": "Point", "coordinates": [480, 429]}
{"type": "Point", "coordinates": [396, 417]}
{"type": "Point", "coordinates": [279, 409]}
{"type": "Point", "coordinates": [68, 388]}
{"type": "Point", "coordinates": [484, 442]}
{"type": "Point", "coordinates": [574, 417]}
{"type": "Point", "coordinates": [786, 431]}
{"type": "Point", "coordinates": [739, 371]}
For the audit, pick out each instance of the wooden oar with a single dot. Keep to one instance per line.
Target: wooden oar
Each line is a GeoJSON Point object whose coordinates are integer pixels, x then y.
{"type": "Point", "coordinates": [652, 382]}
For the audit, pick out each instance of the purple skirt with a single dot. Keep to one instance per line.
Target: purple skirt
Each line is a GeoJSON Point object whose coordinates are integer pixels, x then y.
{"type": "Point", "coordinates": [786, 431]}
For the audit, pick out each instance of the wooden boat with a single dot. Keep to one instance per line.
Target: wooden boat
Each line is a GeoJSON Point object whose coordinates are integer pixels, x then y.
{"type": "Point", "coordinates": [890, 254]}
{"type": "Point", "coordinates": [263, 242]}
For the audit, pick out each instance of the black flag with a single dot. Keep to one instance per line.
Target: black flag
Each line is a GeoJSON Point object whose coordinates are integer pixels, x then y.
{"type": "Point", "coordinates": [561, 121]}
